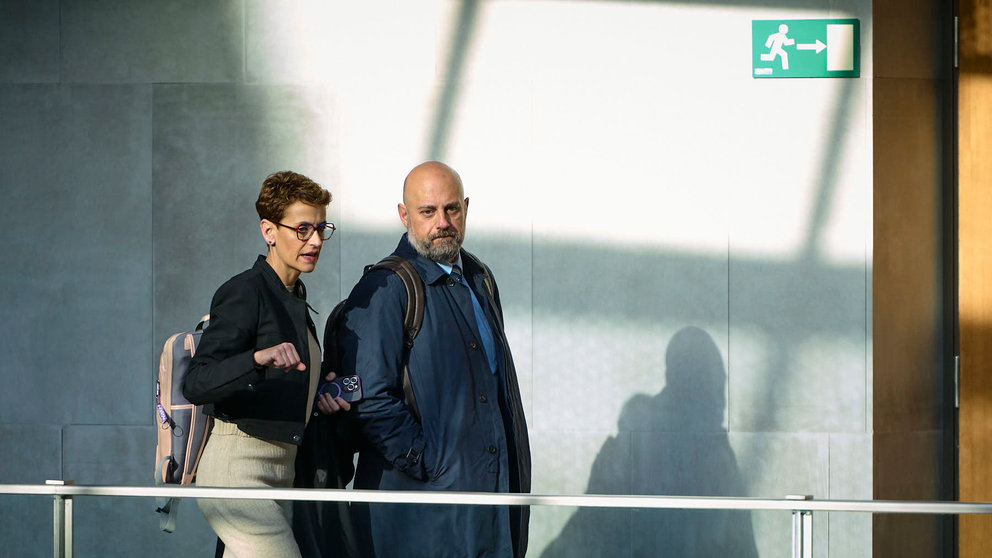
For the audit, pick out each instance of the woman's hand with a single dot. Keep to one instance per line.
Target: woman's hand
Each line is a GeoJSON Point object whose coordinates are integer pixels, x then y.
{"type": "Point", "coordinates": [283, 356]}
{"type": "Point", "coordinates": [330, 405]}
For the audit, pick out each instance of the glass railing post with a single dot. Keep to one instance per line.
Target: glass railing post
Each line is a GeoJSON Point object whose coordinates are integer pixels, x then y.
{"type": "Point", "coordinates": [62, 515]}
{"type": "Point", "coordinates": [802, 529]}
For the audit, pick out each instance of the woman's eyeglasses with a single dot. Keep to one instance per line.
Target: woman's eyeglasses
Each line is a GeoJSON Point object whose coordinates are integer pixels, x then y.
{"type": "Point", "coordinates": [305, 230]}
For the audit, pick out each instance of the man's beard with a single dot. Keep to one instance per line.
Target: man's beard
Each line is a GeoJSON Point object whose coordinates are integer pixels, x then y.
{"type": "Point", "coordinates": [445, 251]}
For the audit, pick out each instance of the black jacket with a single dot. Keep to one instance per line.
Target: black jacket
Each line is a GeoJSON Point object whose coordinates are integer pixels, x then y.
{"type": "Point", "coordinates": [253, 311]}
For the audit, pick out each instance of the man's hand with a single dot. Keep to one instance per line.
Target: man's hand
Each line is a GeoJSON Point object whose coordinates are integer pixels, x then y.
{"type": "Point", "coordinates": [329, 405]}
{"type": "Point", "coordinates": [283, 356]}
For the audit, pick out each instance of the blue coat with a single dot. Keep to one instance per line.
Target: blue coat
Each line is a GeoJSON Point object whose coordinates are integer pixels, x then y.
{"type": "Point", "coordinates": [473, 436]}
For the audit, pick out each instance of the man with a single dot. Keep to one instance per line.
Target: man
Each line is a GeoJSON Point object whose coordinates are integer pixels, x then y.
{"type": "Point", "coordinates": [470, 434]}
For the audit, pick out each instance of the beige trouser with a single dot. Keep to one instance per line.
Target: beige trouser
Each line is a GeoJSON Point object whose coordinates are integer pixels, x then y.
{"type": "Point", "coordinates": [249, 528]}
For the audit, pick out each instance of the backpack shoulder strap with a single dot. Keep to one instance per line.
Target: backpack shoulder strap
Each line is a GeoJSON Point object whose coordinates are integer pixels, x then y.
{"type": "Point", "coordinates": [413, 316]}
{"type": "Point", "coordinates": [169, 508]}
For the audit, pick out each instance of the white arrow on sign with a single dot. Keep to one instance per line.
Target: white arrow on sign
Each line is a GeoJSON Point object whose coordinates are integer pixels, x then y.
{"type": "Point", "coordinates": [817, 46]}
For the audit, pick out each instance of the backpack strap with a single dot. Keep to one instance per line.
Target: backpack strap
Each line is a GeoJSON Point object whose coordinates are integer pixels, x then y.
{"type": "Point", "coordinates": [413, 316]}
{"type": "Point", "coordinates": [169, 508]}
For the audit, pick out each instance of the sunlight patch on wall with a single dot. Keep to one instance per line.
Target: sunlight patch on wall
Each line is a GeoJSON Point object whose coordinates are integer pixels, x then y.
{"type": "Point", "coordinates": [618, 125]}
{"type": "Point", "coordinates": [807, 381]}
{"type": "Point", "coordinates": [379, 59]}
{"type": "Point", "coordinates": [592, 369]}
{"type": "Point", "coordinates": [633, 125]}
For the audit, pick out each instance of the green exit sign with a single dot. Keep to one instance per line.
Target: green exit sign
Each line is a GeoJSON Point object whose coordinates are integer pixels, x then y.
{"type": "Point", "coordinates": [804, 48]}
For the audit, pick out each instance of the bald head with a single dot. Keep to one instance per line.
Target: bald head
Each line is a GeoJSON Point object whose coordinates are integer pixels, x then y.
{"type": "Point", "coordinates": [433, 210]}
{"type": "Point", "coordinates": [428, 175]}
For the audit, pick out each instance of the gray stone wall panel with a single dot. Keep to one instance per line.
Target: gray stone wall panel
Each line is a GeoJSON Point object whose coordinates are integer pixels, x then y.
{"type": "Point", "coordinates": [76, 163]}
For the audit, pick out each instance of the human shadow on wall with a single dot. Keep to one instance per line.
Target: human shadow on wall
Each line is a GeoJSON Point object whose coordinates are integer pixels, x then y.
{"type": "Point", "coordinates": [674, 444]}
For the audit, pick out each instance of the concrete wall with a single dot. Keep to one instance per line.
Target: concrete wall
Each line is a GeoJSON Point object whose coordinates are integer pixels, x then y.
{"type": "Point", "coordinates": [684, 252]}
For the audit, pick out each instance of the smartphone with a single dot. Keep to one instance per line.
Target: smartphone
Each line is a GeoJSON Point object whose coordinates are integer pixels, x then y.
{"type": "Point", "coordinates": [348, 388]}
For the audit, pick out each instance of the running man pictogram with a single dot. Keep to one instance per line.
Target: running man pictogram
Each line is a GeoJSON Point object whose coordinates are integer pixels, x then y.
{"type": "Point", "coordinates": [775, 42]}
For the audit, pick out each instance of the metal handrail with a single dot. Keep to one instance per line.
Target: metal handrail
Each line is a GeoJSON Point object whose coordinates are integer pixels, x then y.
{"type": "Point", "coordinates": [488, 498]}
{"type": "Point", "coordinates": [802, 506]}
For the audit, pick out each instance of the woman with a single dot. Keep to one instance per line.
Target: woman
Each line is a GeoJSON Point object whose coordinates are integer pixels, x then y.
{"type": "Point", "coordinates": [256, 371]}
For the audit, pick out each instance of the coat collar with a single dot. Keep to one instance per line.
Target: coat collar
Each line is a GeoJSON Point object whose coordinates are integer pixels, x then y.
{"type": "Point", "coordinates": [272, 279]}
{"type": "Point", "coordinates": [428, 269]}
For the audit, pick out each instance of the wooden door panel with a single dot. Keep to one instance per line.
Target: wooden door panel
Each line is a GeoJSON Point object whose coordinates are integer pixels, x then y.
{"type": "Point", "coordinates": [975, 270]}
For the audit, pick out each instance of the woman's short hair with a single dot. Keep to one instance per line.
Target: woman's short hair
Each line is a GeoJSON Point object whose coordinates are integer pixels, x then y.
{"type": "Point", "coordinates": [281, 189]}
